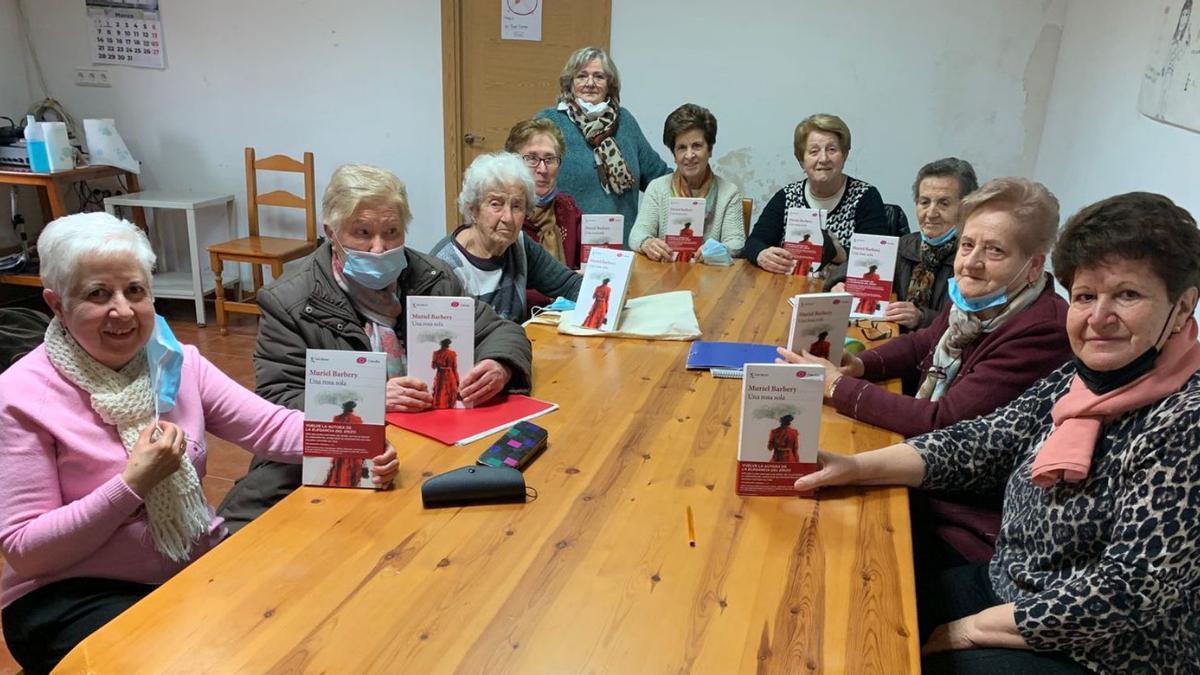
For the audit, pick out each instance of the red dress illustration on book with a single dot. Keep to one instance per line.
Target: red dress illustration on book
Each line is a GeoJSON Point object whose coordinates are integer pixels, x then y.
{"type": "Point", "coordinates": [821, 346]}
{"type": "Point", "coordinates": [688, 234]}
{"type": "Point", "coordinates": [344, 472]}
{"type": "Point", "coordinates": [784, 442]}
{"type": "Point", "coordinates": [445, 377]}
{"type": "Point", "coordinates": [806, 256]}
{"type": "Point", "coordinates": [598, 315]}
{"type": "Point", "coordinates": [869, 305]}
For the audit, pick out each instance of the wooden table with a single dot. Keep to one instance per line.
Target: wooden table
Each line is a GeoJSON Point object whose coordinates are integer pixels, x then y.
{"type": "Point", "coordinates": [52, 199]}
{"type": "Point", "coordinates": [594, 576]}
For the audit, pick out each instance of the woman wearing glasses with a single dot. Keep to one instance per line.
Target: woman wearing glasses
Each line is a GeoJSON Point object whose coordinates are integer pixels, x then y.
{"type": "Point", "coordinates": [689, 133]}
{"type": "Point", "coordinates": [490, 255]}
{"type": "Point", "coordinates": [554, 218]}
{"type": "Point", "coordinates": [607, 160]}
{"type": "Point", "coordinates": [1003, 331]}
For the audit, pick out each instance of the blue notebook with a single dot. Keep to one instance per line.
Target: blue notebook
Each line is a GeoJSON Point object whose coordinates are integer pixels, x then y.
{"type": "Point", "coordinates": [726, 359]}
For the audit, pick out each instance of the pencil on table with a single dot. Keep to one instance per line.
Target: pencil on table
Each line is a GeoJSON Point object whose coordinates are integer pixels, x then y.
{"type": "Point", "coordinates": [691, 528]}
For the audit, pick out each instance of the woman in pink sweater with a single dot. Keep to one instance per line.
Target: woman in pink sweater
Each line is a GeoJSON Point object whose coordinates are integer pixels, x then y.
{"type": "Point", "coordinates": [98, 505]}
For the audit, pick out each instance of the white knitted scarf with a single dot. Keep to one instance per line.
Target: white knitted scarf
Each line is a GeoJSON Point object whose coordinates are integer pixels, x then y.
{"type": "Point", "coordinates": [176, 507]}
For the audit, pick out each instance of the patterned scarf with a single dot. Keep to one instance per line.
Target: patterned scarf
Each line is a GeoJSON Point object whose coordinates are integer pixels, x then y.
{"type": "Point", "coordinates": [679, 188]}
{"type": "Point", "coordinates": [964, 329]}
{"type": "Point", "coordinates": [599, 130]}
{"type": "Point", "coordinates": [920, 285]}
{"type": "Point", "coordinates": [176, 508]}
{"type": "Point", "coordinates": [542, 226]}
{"type": "Point", "coordinates": [383, 309]}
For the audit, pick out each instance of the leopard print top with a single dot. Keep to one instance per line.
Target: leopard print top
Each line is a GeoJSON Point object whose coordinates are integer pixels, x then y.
{"type": "Point", "coordinates": [1106, 570]}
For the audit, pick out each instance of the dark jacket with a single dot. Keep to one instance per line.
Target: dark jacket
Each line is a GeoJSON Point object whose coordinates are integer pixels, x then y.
{"type": "Point", "coordinates": [996, 369]}
{"type": "Point", "coordinates": [306, 309]}
{"type": "Point", "coordinates": [908, 255]}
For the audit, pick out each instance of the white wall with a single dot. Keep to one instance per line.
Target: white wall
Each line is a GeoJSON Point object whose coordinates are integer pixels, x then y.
{"type": "Point", "coordinates": [15, 97]}
{"type": "Point", "coordinates": [915, 81]}
{"type": "Point", "coordinates": [351, 82]}
{"type": "Point", "coordinates": [1096, 143]}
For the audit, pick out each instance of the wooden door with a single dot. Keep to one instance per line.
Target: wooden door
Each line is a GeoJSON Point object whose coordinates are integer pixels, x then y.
{"type": "Point", "coordinates": [489, 84]}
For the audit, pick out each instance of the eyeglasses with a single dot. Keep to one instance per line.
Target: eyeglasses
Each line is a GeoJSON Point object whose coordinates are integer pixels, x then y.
{"type": "Point", "coordinates": [532, 161]}
{"type": "Point", "coordinates": [598, 78]}
{"type": "Point", "coordinates": [871, 330]}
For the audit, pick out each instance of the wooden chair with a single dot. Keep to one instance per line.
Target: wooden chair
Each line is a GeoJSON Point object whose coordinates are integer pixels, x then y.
{"type": "Point", "coordinates": [747, 211]}
{"type": "Point", "coordinates": [259, 251]}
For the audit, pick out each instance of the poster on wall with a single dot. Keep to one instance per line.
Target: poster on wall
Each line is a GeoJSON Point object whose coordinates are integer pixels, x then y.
{"type": "Point", "coordinates": [521, 20]}
{"type": "Point", "coordinates": [126, 33]}
{"type": "Point", "coordinates": [1171, 82]}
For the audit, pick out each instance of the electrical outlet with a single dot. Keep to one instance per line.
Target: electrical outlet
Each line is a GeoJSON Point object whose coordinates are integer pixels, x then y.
{"type": "Point", "coordinates": [91, 77]}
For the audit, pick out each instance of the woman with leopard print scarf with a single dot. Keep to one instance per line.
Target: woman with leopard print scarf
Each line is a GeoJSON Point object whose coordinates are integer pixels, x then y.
{"type": "Point", "coordinates": [607, 160]}
{"type": "Point", "coordinates": [1097, 563]}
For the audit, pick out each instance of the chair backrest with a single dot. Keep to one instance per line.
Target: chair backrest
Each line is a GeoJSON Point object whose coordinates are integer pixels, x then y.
{"type": "Point", "coordinates": [281, 197]}
{"type": "Point", "coordinates": [747, 211]}
{"type": "Point", "coordinates": [897, 220]}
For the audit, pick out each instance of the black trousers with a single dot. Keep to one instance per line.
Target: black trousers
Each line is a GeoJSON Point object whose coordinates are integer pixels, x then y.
{"type": "Point", "coordinates": [41, 626]}
{"type": "Point", "coordinates": [962, 591]}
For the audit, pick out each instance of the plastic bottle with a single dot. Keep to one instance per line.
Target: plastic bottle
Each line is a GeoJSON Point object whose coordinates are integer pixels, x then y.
{"type": "Point", "coordinates": [35, 145]}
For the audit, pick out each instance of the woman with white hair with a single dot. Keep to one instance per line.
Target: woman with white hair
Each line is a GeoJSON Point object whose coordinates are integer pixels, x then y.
{"type": "Point", "coordinates": [350, 294]}
{"type": "Point", "coordinates": [103, 452]}
{"type": "Point", "coordinates": [492, 258]}
{"type": "Point", "coordinates": [607, 160]}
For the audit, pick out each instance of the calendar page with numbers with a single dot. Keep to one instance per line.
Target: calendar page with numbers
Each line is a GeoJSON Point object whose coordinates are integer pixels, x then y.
{"type": "Point", "coordinates": [126, 33]}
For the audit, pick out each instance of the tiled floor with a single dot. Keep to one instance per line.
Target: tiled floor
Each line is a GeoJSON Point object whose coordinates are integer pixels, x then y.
{"type": "Point", "coordinates": [232, 354]}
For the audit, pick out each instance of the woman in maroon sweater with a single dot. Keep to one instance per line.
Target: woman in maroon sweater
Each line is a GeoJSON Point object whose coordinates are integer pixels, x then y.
{"type": "Point", "coordinates": [1003, 331]}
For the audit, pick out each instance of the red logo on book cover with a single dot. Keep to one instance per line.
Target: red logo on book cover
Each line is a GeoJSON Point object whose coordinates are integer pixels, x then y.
{"type": "Point", "coordinates": [361, 359]}
{"type": "Point", "coordinates": [454, 303]}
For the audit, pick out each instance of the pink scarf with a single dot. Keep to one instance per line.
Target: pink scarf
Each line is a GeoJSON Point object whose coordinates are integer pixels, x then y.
{"type": "Point", "coordinates": [1067, 453]}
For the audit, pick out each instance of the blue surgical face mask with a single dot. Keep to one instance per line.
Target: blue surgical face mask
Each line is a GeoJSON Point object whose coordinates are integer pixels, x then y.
{"type": "Point", "coordinates": [940, 239]}
{"type": "Point", "coordinates": [374, 270]}
{"type": "Point", "coordinates": [165, 355]}
{"type": "Point", "coordinates": [997, 298]}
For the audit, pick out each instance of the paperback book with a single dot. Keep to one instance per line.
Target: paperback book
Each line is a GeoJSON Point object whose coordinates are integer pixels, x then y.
{"type": "Point", "coordinates": [803, 238]}
{"type": "Point", "coordinates": [343, 416]}
{"type": "Point", "coordinates": [869, 274]}
{"type": "Point", "coordinates": [781, 424]}
{"type": "Point", "coordinates": [819, 322]}
{"type": "Point", "coordinates": [685, 228]}
{"type": "Point", "coordinates": [600, 230]}
{"type": "Point", "coordinates": [440, 341]}
{"type": "Point", "coordinates": [602, 294]}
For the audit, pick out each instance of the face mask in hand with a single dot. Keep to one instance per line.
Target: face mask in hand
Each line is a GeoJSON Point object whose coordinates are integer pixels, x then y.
{"type": "Point", "coordinates": [165, 355]}
{"type": "Point", "coordinates": [373, 270]}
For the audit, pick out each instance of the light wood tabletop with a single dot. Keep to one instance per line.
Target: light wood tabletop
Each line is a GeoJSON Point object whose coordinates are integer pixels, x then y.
{"type": "Point", "coordinates": [596, 574]}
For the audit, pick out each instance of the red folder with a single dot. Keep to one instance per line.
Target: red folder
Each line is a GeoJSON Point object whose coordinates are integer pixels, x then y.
{"type": "Point", "coordinates": [460, 426]}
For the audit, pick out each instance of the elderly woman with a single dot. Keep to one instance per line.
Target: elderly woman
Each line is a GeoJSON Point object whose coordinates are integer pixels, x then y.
{"type": "Point", "coordinates": [103, 448]}
{"type": "Point", "coordinates": [1003, 332]}
{"type": "Point", "coordinates": [608, 160]}
{"type": "Point", "coordinates": [350, 294]}
{"type": "Point", "coordinates": [690, 133]}
{"type": "Point", "coordinates": [490, 255]}
{"type": "Point", "coordinates": [925, 259]}
{"type": "Point", "coordinates": [1097, 564]}
{"type": "Point", "coordinates": [554, 218]}
{"type": "Point", "coordinates": [821, 144]}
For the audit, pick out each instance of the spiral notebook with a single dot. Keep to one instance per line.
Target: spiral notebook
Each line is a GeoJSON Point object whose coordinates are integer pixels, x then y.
{"type": "Point", "coordinates": [727, 359]}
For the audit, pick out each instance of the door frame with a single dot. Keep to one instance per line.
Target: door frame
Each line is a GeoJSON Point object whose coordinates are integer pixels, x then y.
{"type": "Point", "coordinates": [451, 110]}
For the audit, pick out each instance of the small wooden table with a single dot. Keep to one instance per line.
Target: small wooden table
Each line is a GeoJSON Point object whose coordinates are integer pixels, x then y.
{"type": "Point", "coordinates": [596, 574]}
{"type": "Point", "coordinates": [52, 199]}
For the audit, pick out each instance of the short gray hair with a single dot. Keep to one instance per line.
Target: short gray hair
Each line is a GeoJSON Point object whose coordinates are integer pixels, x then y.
{"type": "Point", "coordinates": [65, 242]}
{"type": "Point", "coordinates": [580, 58]}
{"type": "Point", "coordinates": [1034, 207]}
{"type": "Point", "coordinates": [948, 167]}
{"type": "Point", "coordinates": [356, 185]}
{"type": "Point", "coordinates": [490, 172]}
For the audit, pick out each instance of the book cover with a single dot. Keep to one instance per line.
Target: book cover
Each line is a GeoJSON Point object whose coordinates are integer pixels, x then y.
{"type": "Point", "coordinates": [685, 228]}
{"type": "Point", "coordinates": [803, 238]}
{"type": "Point", "coordinates": [781, 424]}
{"type": "Point", "coordinates": [819, 322]}
{"type": "Point", "coordinates": [600, 230]}
{"type": "Point", "coordinates": [603, 291]}
{"type": "Point", "coordinates": [343, 416]}
{"type": "Point", "coordinates": [869, 273]}
{"type": "Point", "coordinates": [440, 341]}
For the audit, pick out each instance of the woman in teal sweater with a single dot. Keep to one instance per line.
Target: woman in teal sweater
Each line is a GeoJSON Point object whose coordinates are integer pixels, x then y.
{"type": "Point", "coordinates": [608, 159]}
